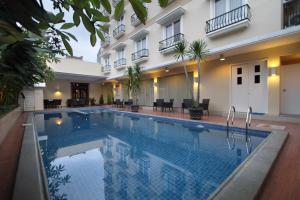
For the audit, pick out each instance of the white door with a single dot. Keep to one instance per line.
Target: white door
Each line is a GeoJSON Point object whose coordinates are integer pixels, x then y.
{"type": "Point", "coordinates": [239, 84]}
{"type": "Point", "coordinates": [249, 87]}
{"type": "Point", "coordinates": [290, 89]}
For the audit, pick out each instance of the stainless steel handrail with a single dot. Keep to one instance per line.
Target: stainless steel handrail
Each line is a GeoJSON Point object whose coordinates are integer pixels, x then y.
{"type": "Point", "coordinates": [231, 113]}
{"type": "Point", "coordinates": [248, 121]}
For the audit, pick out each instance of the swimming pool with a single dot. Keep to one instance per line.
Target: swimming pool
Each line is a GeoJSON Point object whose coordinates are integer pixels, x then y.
{"type": "Point", "coordinates": [106, 154]}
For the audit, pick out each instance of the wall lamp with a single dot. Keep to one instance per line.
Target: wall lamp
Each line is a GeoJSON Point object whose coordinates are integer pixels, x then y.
{"type": "Point", "coordinates": [222, 58]}
{"type": "Point", "coordinates": [273, 71]}
{"type": "Point", "coordinates": [167, 69]}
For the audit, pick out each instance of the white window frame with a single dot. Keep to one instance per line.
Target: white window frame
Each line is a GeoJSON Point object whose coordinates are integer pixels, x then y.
{"type": "Point", "coordinates": [136, 43]}
{"type": "Point", "coordinates": [213, 3]}
{"type": "Point", "coordinates": [106, 60]}
{"type": "Point", "coordinates": [121, 52]}
{"type": "Point", "coordinates": [120, 22]}
{"type": "Point", "coordinates": [172, 22]}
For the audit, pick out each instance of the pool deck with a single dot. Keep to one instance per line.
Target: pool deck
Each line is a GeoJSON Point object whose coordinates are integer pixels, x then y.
{"type": "Point", "coordinates": [282, 183]}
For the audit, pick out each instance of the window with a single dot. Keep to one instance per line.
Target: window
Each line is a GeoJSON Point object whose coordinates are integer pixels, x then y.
{"type": "Point", "coordinates": [257, 68]}
{"type": "Point", "coordinates": [172, 29]}
{"type": "Point", "coordinates": [141, 44]}
{"type": "Point", "coordinates": [220, 7]}
{"type": "Point", "coordinates": [223, 6]}
{"type": "Point", "coordinates": [120, 54]}
{"type": "Point", "coordinates": [239, 70]}
{"type": "Point", "coordinates": [106, 61]}
{"type": "Point", "coordinates": [257, 79]}
{"type": "Point", "coordinates": [239, 80]}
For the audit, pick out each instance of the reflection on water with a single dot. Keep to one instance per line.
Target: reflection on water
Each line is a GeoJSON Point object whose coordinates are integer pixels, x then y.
{"type": "Point", "coordinates": [115, 156]}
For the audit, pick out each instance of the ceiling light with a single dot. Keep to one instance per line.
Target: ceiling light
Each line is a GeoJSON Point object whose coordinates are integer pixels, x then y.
{"type": "Point", "coordinates": [222, 58]}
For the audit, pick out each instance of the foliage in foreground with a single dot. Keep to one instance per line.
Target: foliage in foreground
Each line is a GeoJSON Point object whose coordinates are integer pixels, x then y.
{"type": "Point", "coordinates": [134, 75]}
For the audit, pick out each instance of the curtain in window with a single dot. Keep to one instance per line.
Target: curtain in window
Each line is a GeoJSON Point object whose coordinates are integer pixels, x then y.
{"type": "Point", "coordinates": [235, 4]}
{"type": "Point", "coordinates": [220, 7]}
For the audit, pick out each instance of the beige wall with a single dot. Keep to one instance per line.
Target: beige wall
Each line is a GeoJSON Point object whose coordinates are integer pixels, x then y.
{"type": "Point", "coordinates": [76, 66]}
{"type": "Point", "coordinates": [193, 21]}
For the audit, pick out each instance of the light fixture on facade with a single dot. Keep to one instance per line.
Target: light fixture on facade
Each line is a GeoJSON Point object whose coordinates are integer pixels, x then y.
{"type": "Point", "coordinates": [222, 58]}
{"type": "Point", "coordinates": [167, 69]}
{"type": "Point", "coordinates": [273, 71]}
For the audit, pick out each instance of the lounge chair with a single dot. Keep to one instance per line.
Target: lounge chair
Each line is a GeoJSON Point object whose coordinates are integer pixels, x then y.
{"type": "Point", "coordinates": [119, 103]}
{"type": "Point", "coordinates": [158, 103]}
{"type": "Point", "coordinates": [205, 105]}
{"type": "Point", "coordinates": [169, 105]}
{"type": "Point", "coordinates": [187, 103]}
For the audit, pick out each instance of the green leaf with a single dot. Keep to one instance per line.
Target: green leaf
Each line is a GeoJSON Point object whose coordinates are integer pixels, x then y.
{"type": "Point", "coordinates": [100, 34]}
{"type": "Point", "coordinates": [106, 5]}
{"type": "Point", "coordinates": [93, 39]}
{"type": "Point", "coordinates": [76, 18]}
{"type": "Point", "coordinates": [139, 10]}
{"type": "Point", "coordinates": [87, 23]}
{"type": "Point", "coordinates": [71, 36]}
{"type": "Point", "coordinates": [58, 17]}
{"type": "Point", "coordinates": [68, 46]}
{"type": "Point", "coordinates": [163, 3]}
{"type": "Point", "coordinates": [99, 16]}
{"type": "Point", "coordinates": [96, 3]}
{"type": "Point", "coordinates": [120, 8]}
{"type": "Point", "coordinates": [67, 25]}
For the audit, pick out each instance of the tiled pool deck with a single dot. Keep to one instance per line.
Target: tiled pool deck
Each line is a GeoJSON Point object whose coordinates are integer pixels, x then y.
{"type": "Point", "coordinates": [283, 181]}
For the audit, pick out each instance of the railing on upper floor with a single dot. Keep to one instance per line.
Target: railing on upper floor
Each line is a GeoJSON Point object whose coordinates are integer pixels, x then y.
{"type": "Point", "coordinates": [171, 41]}
{"type": "Point", "coordinates": [229, 18]}
{"type": "Point", "coordinates": [291, 13]}
{"type": "Point", "coordinates": [119, 30]}
{"type": "Point", "coordinates": [106, 41]}
{"type": "Point", "coordinates": [120, 62]}
{"type": "Point", "coordinates": [143, 53]}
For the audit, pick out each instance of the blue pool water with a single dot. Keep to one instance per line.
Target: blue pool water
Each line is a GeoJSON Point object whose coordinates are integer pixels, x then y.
{"type": "Point", "coordinates": [105, 154]}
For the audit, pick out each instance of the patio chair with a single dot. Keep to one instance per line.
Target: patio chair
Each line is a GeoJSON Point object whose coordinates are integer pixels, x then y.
{"type": "Point", "coordinates": [129, 102]}
{"type": "Point", "coordinates": [158, 103]}
{"type": "Point", "coordinates": [187, 103]}
{"type": "Point", "coordinates": [205, 105]}
{"type": "Point", "coordinates": [169, 105]}
{"type": "Point", "coordinates": [119, 103]}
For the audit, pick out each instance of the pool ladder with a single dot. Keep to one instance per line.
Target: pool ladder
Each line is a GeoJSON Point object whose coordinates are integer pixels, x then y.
{"type": "Point", "coordinates": [230, 120]}
{"type": "Point", "coordinates": [248, 124]}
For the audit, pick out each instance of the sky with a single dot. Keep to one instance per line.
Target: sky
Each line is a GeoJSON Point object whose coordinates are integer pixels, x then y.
{"type": "Point", "coordinates": [83, 46]}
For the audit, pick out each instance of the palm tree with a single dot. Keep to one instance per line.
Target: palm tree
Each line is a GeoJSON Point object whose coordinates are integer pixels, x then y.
{"type": "Point", "coordinates": [133, 83]}
{"type": "Point", "coordinates": [198, 52]}
{"type": "Point", "coordinates": [180, 53]}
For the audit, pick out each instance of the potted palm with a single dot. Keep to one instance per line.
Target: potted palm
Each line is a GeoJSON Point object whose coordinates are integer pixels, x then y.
{"type": "Point", "coordinates": [181, 51]}
{"type": "Point", "coordinates": [134, 75]}
{"type": "Point", "coordinates": [198, 52]}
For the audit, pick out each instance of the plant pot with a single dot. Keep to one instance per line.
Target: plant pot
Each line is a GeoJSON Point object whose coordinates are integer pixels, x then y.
{"type": "Point", "coordinates": [196, 113]}
{"type": "Point", "coordinates": [135, 108]}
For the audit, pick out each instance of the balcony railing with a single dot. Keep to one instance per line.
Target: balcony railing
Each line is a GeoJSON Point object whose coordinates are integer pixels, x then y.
{"type": "Point", "coordinates": [106, 41]}
{"type": "Point", "coordinates": [232, 17]}
{"type": "Point", "coordinates": [106, 68]}
{"type": "Point", "coordinates": [120, 30]}
{"type": "Point", "coordinates": [291, 13]}
{"type": "Point", "coordinates": [143, 53]}
{"type": "Point", "coordinates": [170, 42]}
{"type": "Point", "coordinates": [120, 62]}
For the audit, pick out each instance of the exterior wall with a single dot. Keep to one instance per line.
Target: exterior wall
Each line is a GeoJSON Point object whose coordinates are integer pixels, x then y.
{"type": "Point", "coordinates": [261, 23]}
{"type": "Point", "coordinates": [76, 66]}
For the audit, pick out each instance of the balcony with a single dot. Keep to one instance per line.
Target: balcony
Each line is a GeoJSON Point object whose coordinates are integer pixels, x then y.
{"type": "Point", "coordinates": [105, 42]}
{"type": "Point", "coordinates": [119, 31]}
{"type": "Point", "coordinates": [291, 13]}
{"type": "Point", "coordinates": [140, 56]}
{"type": "Point", "coordinates": [135, 21]}
{"type": "Point", "coordinates": [235, 19]}
{"type": "Point", "coordinates": [168, 45]}
{"type": "Point", "coordinates": [115, 2]}
{"type": "Point", "coordinates": [120, 63]}
{"type": "Point", "coordinates": [106, 69]}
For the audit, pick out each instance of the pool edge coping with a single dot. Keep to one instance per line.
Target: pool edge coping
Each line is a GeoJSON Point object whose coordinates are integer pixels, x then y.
{"type": "Point", "coordinates": [233, 187]}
